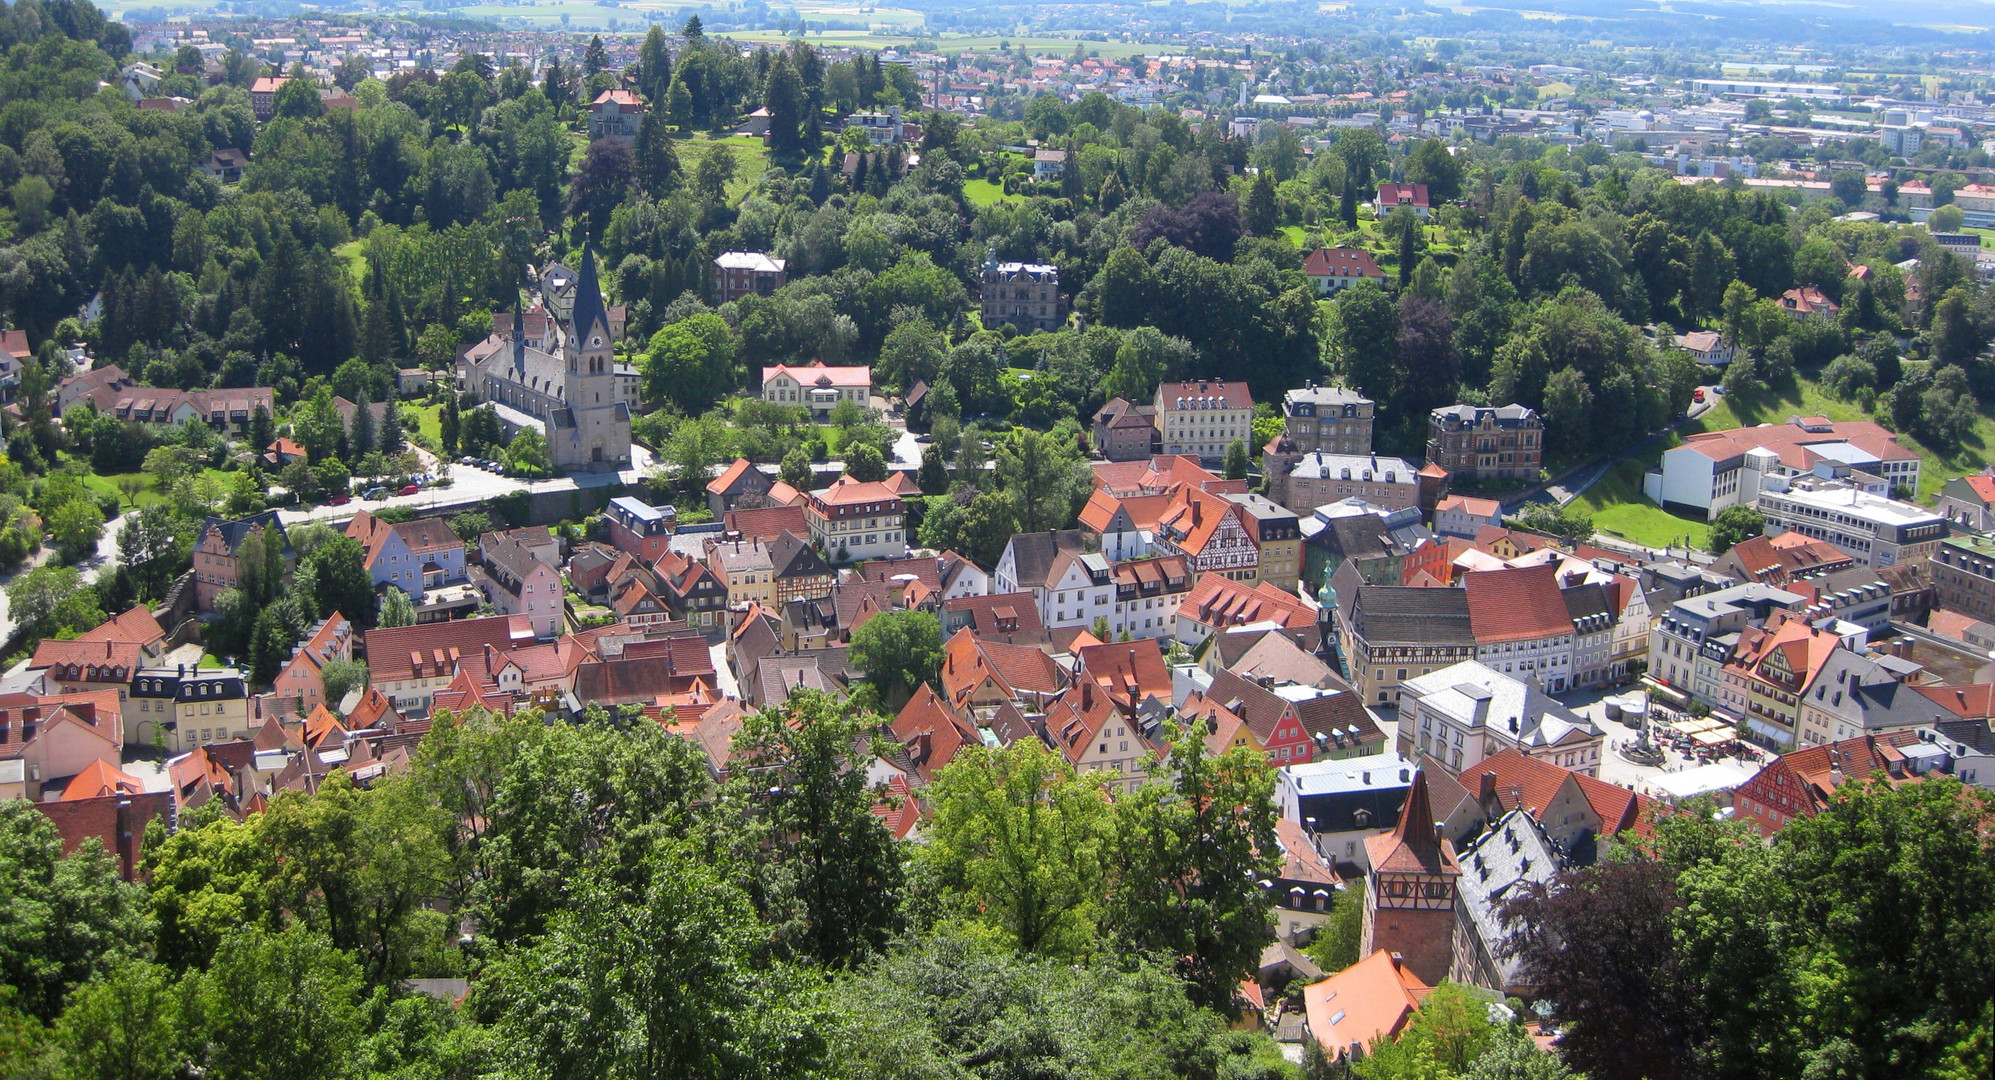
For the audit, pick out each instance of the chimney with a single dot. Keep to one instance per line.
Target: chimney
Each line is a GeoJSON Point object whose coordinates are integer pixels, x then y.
{"type": "Point", "coordinates": [1486, 791]}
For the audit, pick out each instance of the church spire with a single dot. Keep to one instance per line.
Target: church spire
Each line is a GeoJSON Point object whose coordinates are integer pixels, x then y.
{"type": "Point", "coordinates": [589, 309]}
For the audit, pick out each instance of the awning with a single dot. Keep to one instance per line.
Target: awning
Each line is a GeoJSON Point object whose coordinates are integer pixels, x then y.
{"type": "Point", "coordinates": [1763, 728]}
{"type": "Point", "coordinates": [1665, 691]}
{"type": "Point", "coordinates": [1713, 738]}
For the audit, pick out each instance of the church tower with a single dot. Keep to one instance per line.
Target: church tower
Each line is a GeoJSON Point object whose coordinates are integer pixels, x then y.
{"type": "Point", "coordinates": [589, 384]}
{"type": "Point", "coordinates": [1410, 895]}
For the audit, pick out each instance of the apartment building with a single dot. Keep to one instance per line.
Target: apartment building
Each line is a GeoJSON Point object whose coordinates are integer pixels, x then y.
{"type": "Point", "coordinates": [1467, 712]}
{"type": "Point", "coordinates": [853, 520]}
{"type": "Point", "coordinates": [1963, 569]}
{"type": "Point", "coordinates": [1480, 442]}
{"type": "Point", "coordinates": [1694, 638]}
{"type": "Point", "coordinates": [1201, 418]}
{"type": "Point", "coordinates": [1710, 471]}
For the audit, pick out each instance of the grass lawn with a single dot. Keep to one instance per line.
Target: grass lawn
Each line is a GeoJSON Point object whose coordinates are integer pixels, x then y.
{"type": "Point", "coordinates": [429, 420]}
{"type": "Point", "coordinates": [1295, 234]}
{"type": "Point", "coordinates": [751, 158]}
{"type": "Point", "coordinates": [1618, 508]}
{"type": "Point", "coordinates": [356, 262]}
{"type": "Point", "coordinates": [148, 493]}
{"type": "Point", "coordinates": [982, 193]}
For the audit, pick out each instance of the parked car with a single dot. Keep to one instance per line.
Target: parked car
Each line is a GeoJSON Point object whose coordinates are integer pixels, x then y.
{"type": "Point", "coordinates": [376, 493]}
{"type": "Point", "coordinates": [339, 500]}
{"type": "Point", "coordinates": [1697, 394]}
{"type": "Point", "coordinates": [409, 489]}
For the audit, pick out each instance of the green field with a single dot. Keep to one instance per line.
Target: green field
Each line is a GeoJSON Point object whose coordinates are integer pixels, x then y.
{"type": "Point", "coordinates": [429, 420]}
{"type": "Point", "coordinates": [1618, 509]}
{"type": "Point", "coordinates": [148, 493]}
{"type": "Point", "coordinates": [751, 158]}
{"type": "Point", "coordinates": [982, 193]}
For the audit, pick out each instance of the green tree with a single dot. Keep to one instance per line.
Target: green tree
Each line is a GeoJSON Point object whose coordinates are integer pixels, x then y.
{"type": "Point", "coordinates": [528, 455]}
{"type": "Point", "coordinates": [899, 651]}
{"type": "Point", "coordinates": [278, 1004]}
{"type": "Point", "coordinates": [1734, 525]}
{"type": "Point", "coordinates": [665, 958]}
{"type": "Point", "coordinates": [69, 919]}
{"type": "Point", "coordinates": [691, 363]}
{"type": "Point", "coordinates": [338, 570]}
{"type": "Point", "coordinates": [1019, 844]}
{"type": "Point", "coordinates": [1443, 1040]}
{"type": "Point", "coordinates": [339, 677]}
{"type": "Point", "coordinates": [796, 470]}
{"type": "Point", "coordinates": [48, 600]}
{"type": "Point", "coordinates": [125, 1025]}
{"type": "Point", "coordinates": [1362, 345]}
{"type": "Point", "coordinates": [1236, 460]}
{"type": "Point", "coordinates": [202, 882]}
{"type": "Point", "coordinates": [76, 526]}
{"type": "Point", "coordinates": [1191, 850]}
{"type": "Point", "coordinates": [829, 877]}
{"type": "Point", "coordinates": [396, 609]}
{"type": "Point", "coordinates": [1261, 213]}
{"type": "Point", "coordinates": [1044, 474]}
{"type": "Point", "coordinates": [933, 476]}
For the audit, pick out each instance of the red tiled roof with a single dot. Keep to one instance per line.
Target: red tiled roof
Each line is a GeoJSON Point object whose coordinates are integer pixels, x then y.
{"type": "Point", "coordinates": [1341, 262]}
{"type": "Point", "coordinates": [1520, 604]}
{"type": "Point", "coordinates": [136, 625]}
{"type": "Point", "coordinates": [1413, 846]}
{"type": "Point", "coordinates": [1371, 1000]}
{"type": "Point", "coordinates": [722, 484]}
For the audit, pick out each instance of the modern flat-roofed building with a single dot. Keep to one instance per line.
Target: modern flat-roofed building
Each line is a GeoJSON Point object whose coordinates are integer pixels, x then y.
{"type": "Point", "coordinates": [1717, 469]}
{"type": "Point", "coordinates": [1873, 529]}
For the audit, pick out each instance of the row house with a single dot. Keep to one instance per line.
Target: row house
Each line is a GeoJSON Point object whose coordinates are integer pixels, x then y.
{"type": "Point", "coordinates": [216, 548]}
{"type": "Point", "coordinates": [180, 708]}
{"type": "Point", "coordinates": [49, 745]}
{"type": "Point", "coordinates": [1277, 535]}
{"type": "Point", "coordinates": [1121, 526]}
{"type": "Point", "coordinates": [1521, 624]}
{"type": "Point", "coordinates": [516, 580]}
{"type": "Point", "coordinates": [409, 664]}
{"type": "Point", "coordinates": [413, 556]}
{"type": "Point", "coordinates": [1201, 418]}
{"type": "Point", "coordinates": [1292, 724]}
{"type": "Point", "coordinates": [1801, 783]}
{"type": "Point", "coordinates": [1217, 604]}
{"type": "Point", "coordinates": [1769, 670]}
{"type": "Point", "coordinates": [1148, 594]}
{"type": "Point", "coordinates": [1693, 639]}
{"type": "Point", "coordinates": [948, 575]}
{"type": "Point", "coordinates": [1388, 634]}
{"type": "Point", "coordinates": [639, 528]}
{"type": "Point", "coordinates": [1212, 532]}
{"type": "Point", "coordinates": [302, 679]}
{"type": "Point", "coordinates": [982, 678]}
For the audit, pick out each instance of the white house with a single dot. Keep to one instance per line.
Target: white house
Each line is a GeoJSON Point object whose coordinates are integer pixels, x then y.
{"type": "Point", "coordinates": [1462, 714]}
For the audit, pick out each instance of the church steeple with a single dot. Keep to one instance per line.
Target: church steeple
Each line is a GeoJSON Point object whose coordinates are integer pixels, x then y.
{"type": "Point", "coordinates": [590, 320]}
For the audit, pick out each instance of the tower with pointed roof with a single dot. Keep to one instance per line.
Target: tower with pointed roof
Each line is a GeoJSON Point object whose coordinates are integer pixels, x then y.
{"type": "Point", "coordinates": [594, 429]}
{"type": "Point", "coordinates": [1410, 891]}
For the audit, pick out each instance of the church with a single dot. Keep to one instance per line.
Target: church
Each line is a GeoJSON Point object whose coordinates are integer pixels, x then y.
{"type": "Point", "coordinates": [569, 390]}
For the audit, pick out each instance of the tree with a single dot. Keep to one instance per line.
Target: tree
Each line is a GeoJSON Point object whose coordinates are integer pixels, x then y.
{"type": "Point", "coordinates": [1019, 844]}
{"type": "Point", "coordinates": [1362, 344]}
{"type": "Point", "coordinates": [76, 526]}
{"type": "Point", "coordinates": [691, 363]}
{"type": "Point", "coordinates": [820, 864]}
{"type": "Point", "coordinates": [1236, 460]}
{"type": "Point", "coordinates": [666, 960]}
{"type": "Point", "coordinates": [654, 157]}
{"type": "Point", "coordinates": [396, 609]}
{"type": "Point", "coordinates": [341, 581]}
{"type": "Point", "coordinates": [1734, 525]}
{"type": "Point", "coordinates": [899, 651]}
{"type": "Point", "coordinates": [528, 455]}
{"type": "Point", "coordinates": [1190, 852]}
{"type": "Point", "coordinates": [796, 471]}
{"type": "Point", "coordinates": [1044, 474]}
{"type": "Point", "coordinates": [1431, 164]}
{"type": "Point", "coordinates": [48, 600]}
{"type": "Point", "coordinates": [933, 476]}
{"type": "Point", "coordinates": [69, 919]}
{"type": "Point", "coordinates": [448, 421]}
{"type": "Point", "coordinates": [1946, 219]}
{"type": "Point", "coordinates": [154, 544]}
{"type": "Point", "coordinates": [1261, 214]}
{"type": "Point", "coordinates": [608, 170]}
{"type": "Point", "coordinates": [340, 677]}
{"type": "Point", "coordinates": [278, 1004]}
{"type": "Point", "coordinates": [125, 1025]}
{"type": "Point", "coordinates": [1568, 523]}
{"type": "Point", "coordinates": [1443, 1040]}
{"type": "Point", "coordinates": [1598, 942]}
{"type": "Point", "coordinates": [864, 462]}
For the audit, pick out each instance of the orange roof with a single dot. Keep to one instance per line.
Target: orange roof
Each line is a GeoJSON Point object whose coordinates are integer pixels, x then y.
{"type": "Point", "coordinates": [722, 484]}
{"type": "Point", "coordinates": [1469, 504]}
{"type": "Point", "coordinates": [1982, 485]}
{"type": "Point", "coordinates": [1529, 783]}
{"type": "Point", "coordinates": [1518, 604]}
{"type": "Point", "coordinates": [846, 491]}
{"type": "Point", "coordinates": [1216, 600]}
{"type": "Point", "coordinates": [136, 625]}
{"type": "Point", "coordinates": [1130, 671]}
{"type": "Point", "coordinates": [1370, 1000]}
{"type": "Point", "coordinates": [1802, 648]}
{"type": "Point", "coordinates": [1975, 702]}
{"type": "Point", "coordinates": [931, 733]}
{"type": "Point", "coordinates": [101, 778]}
{"type": "Point", "coordinates": [821, 375]}
{"type": "Point", "coordinates": [1413, 846]}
